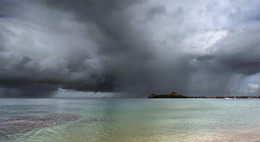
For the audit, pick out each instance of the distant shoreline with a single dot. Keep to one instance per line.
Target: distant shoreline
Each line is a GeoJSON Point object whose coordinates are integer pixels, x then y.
{"type": "Point", "coordinates": [175, 95]}
{"type": "Point", "coordinates": [238, 97]}
{"type": "Point", "coordinates": [228, 97]}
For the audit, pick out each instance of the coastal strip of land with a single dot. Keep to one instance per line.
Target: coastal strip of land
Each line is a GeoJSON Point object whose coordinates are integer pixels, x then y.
{"type": "Point", "coordinates": [179, 96]}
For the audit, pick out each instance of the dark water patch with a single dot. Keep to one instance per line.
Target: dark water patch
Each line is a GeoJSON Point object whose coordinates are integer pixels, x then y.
{"type": "Point", "coordinates": [51, 109]}
{"type": "Point", "coordinates": [3, 113]}
{"type": "Point", "coordinates": [24, 107]}
{"type": "Point", "coordinates": [26, 123]}
{"type": "Point", "coordinates": [60, 109]}
{"type": "Point", "coordinates": [76, 103]}
{"type": "Point", "coordinates": [89, 120]}
{"type": "Point", "coordinates": [38, 108]}
{"type": "Point", "coordinates": [70, 109]}
{"type": "Point", "coordinates": [95, 120]}
{"type": "Point", "coordinates": [36, 112]}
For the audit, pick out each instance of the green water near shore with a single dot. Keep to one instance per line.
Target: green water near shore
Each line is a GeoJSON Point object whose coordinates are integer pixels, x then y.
{"type": "Point", "coordinates": [134, 120]}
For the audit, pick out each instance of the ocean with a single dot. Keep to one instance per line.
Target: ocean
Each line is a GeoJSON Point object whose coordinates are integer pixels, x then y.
{"type": "Point", "coordinates": [129, 120]}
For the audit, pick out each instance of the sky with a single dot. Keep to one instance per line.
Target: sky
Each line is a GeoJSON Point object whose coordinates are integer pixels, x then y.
{"type": "Point", "coordinates": [129, 47]}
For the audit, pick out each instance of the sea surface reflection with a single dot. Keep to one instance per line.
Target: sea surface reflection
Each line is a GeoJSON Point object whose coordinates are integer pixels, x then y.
{"type": "Point", "coordinates": [129, 120]}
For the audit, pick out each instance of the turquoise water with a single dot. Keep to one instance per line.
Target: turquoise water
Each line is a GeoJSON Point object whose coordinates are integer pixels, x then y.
{"type": "Point", "coordinates": [129, 120]}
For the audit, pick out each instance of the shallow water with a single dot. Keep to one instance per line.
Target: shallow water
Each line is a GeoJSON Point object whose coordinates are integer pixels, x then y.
{"type": "Point", "coordinates": [129, 120]}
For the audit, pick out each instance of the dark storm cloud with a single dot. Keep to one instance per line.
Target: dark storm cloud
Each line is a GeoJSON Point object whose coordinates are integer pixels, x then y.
{"type": "Point", "coordinates": [26, 89]}
{"type": "Point", "coordinates": [131, 46]}
{"type": "Point", "coordinates": [123, 49]}
{"type": "Point", "coordinates": [244, 55]}
{"type": "Point", "coordinates": [99, 48]}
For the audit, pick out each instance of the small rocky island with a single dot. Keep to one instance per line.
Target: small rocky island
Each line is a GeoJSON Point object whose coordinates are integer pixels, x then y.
{"type": "Point", "coordinates": [172, 95]}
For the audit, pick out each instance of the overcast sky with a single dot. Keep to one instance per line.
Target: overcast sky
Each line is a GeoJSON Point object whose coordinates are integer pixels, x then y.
{"type": "Point", "coordinates": [137, 47]}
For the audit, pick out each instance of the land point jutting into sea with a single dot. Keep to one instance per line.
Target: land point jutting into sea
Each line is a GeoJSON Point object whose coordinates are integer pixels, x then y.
{"type": "Point", "coordinates": [176, 96]}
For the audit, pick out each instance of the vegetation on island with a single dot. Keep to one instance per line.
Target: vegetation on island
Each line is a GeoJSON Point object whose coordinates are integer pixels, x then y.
{"type": "Point", "coordinates": [172, 95]}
